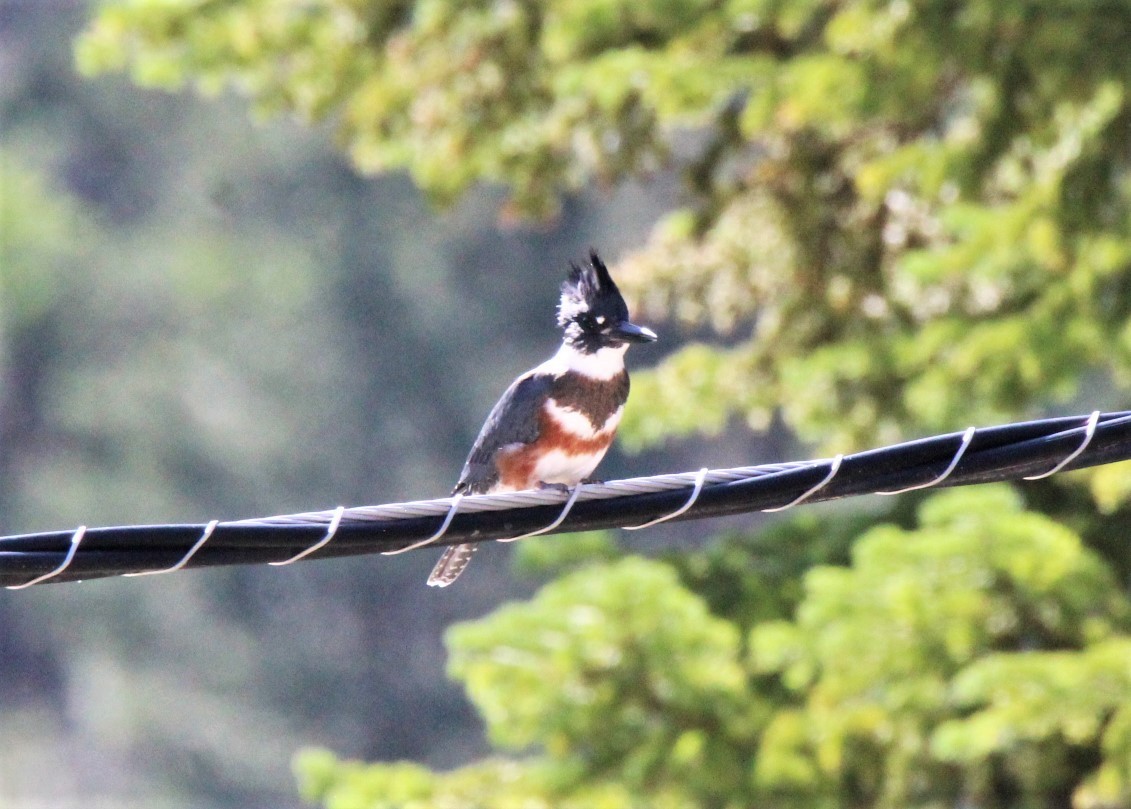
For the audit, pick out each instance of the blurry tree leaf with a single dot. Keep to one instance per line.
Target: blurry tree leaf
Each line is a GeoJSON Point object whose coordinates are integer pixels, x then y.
{"type": "Point", "coordinates": [974, 655]}
{"type": "Point", "coordinates": [541, 556]}
{"type": "Point", "coordinates": [627, 691]}
{"type": "Point", "coordinates": [890, 653]}
{"type": "Point", "coordinates": [911, 217]}
{"type": "Point", "coordinates": [38, 233]}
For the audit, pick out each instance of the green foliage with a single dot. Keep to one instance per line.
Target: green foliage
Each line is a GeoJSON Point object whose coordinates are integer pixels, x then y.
{"type": "Point", "coordinates": [616, 671]}
{"type": "Point", "coordinates": [749, 579]}
{"type": "Point", "coordinates": [542, 556]}
{"type": "Point", "coordinates": [1111, 486]}
{"type": "Point", "coordinates": [37, 246]}
{"type": "Point", "coordinates": [923, 212]}
{"type": "Point", "coordinates": [632, 693]}
{"type": "Point", "coordinates": [928, 237]}
{"type": "Point", "coordinates": [907, 294]}
{"type": "Point", "coordinates": [892, 654]}
{"type": "Point", "coordinates": [984, 655]}
{"type": "Point", "coordinates": [339, 784]}
{"type": "Point", "coordinates": [1032, 711]}
{"type": "Point", "coordinates": [455, 93]}
{"type": "Point", "coordinates": [902, 218]}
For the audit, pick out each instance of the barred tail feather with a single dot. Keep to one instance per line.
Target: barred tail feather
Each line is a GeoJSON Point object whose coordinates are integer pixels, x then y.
{"type": "Point", "coordinates": [451, 564]}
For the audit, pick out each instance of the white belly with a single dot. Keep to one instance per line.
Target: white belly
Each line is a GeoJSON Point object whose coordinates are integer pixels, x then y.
{"type": "Point", "coordinates": [576, 423]}
{"type": "Point", "coordinates": [561, 467]}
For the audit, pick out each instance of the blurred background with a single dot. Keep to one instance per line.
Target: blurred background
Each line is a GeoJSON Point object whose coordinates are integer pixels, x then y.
{"type": "Point", "coordinates": [221, 318]}
{"type": "Point", "coordinates": [259, 258]}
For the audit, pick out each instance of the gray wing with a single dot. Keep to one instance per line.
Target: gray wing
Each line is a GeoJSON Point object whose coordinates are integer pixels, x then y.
{"type": "Point", "coordinates": [513, 420]}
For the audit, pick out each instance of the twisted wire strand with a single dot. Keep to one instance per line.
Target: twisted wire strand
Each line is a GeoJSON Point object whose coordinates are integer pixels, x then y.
{"type": "Point", "coordinates": [479, 503]}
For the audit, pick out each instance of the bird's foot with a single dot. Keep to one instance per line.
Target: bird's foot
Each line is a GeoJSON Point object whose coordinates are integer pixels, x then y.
{"type": "Point", "coordinates": [557, 487]}
{"type": "Point", "coordinates": [592, 481]}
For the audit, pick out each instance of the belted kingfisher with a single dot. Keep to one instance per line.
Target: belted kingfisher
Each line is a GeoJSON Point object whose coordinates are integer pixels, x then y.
{"type": "Point", "coordinates": [555, 422]}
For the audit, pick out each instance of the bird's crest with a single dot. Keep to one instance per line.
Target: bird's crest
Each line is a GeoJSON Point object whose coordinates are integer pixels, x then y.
{"type": "Point", "coordinates": [589, 289]}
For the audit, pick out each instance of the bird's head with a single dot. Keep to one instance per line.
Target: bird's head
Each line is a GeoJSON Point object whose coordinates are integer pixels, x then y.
{"type": "Point", "coordinates": [592, 312]}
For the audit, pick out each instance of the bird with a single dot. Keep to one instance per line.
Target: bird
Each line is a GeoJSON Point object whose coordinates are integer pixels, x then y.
{"type": "Point", "coordinates": [555, 422]}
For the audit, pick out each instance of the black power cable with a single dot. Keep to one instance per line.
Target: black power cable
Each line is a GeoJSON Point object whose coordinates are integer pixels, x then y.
{"type": "Point", "coordinates": [1008, 452]}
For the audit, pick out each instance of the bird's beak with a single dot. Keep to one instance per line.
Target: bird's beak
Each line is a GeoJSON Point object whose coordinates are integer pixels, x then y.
{"type": "Point", "coordinates": [631, 333]}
